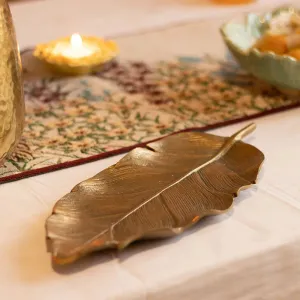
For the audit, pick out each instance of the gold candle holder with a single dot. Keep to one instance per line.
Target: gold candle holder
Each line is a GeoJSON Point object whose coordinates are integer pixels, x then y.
{"type": "Point", "coordinates": [76, 55]}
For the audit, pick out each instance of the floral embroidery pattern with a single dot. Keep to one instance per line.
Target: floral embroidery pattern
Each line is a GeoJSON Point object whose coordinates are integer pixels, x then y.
{"type": "Point", "coordinates": [129, 103]}
{"type": "Point", "coordinates": [135, 78]}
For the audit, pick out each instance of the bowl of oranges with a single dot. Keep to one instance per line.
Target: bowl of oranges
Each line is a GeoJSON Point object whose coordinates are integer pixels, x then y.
{"type": "Point", "coordinates": [267, 45]}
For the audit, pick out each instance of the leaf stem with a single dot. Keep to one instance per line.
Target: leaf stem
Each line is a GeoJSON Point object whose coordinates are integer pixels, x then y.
{"type": "Point", "coordinates": [231, 141]}
{"type": "Point", "coordinates": [244, 132]}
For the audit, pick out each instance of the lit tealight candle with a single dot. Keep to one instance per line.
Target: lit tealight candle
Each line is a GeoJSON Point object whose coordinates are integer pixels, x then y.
{"type": "Point", "coordinates": [76, 48]}
{"type": "Point", "coordinates": [76, 54]}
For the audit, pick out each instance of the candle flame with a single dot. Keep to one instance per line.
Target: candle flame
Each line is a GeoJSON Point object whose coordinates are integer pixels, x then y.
{"type": "Point", "coordinates": [76, 41]}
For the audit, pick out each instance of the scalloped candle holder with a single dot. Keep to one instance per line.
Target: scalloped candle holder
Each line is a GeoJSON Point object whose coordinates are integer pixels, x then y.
{"type": "Point", "coordinates": [76, 55]}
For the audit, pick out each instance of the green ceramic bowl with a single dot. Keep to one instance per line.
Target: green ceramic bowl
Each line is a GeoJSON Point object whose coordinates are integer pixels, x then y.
{"type": "Point", "coordinates": [240, 35]}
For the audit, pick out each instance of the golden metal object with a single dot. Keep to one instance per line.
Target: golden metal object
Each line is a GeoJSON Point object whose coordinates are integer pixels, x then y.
{"type": "Point", "coordinates": [157, 191]}
{"type": "Point", "coordinates": [106, 51]}
{"type": "Point", "coordinates": [11, 85]}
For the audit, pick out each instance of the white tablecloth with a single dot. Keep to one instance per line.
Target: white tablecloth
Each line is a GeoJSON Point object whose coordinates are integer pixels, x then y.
{"type": "Point", "coordinates": [250, 253]}
{"type": "Point", "coordinates": [42, 20]}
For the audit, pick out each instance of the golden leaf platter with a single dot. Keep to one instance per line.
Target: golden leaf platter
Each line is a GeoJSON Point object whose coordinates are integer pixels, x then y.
{"type": "Point", "coordinates": [11, 86]}
{"type": "Point", "coordinates": [156, 191]}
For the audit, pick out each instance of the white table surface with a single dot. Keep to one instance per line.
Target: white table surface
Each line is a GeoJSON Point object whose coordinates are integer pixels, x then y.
{"type": "Point", "coordinates": [41, 20]}
{"type": "Point", "coordinates": [249, 253]}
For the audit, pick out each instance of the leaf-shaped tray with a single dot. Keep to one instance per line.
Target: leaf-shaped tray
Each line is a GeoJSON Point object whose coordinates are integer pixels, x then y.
{"type": "Point", "coordinates": [157, 191]}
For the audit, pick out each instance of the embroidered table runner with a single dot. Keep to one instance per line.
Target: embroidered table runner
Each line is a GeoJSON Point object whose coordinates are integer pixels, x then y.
{"type": "Point", "coordinates": [155, 90]}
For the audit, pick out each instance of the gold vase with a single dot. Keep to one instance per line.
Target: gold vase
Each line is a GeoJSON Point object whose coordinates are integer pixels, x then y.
{"type": "Point", "coordinates": [12, 108]}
